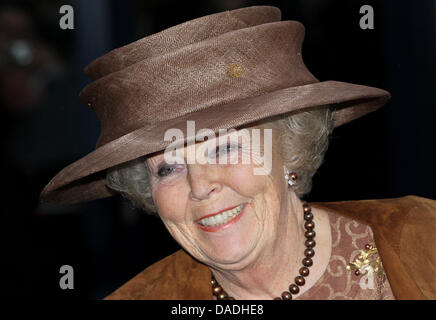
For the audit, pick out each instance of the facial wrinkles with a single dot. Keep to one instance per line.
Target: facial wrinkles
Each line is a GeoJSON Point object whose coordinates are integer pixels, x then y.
{"type": "Point", "coordinates": [174, 217]}
{"type": "Point", "coordinates": [262, 207]}
{"type": "Point", "coordinates": [270, 220]}
{"type": "Point", "coordinates": [185, 239]}
{"type": "Point", "coordinates": [230, 196]}
{"type": "Point", "coordinates": [182, 228]}
{"type": "Point", "coordinates": [285, 218]}
{"type": "Point", "coordinates": [181, 225]}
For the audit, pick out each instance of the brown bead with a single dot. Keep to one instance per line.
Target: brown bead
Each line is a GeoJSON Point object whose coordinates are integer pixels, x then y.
{"type": "Point", "coordinates": [307, 262]}
{"type": "Point", "coordinates": [217, 290]}
{"type": "Point", "coordinates": [293, 176]}
{"type": "Point", "coordinates": [309, 225]}
{"type": "Point", "coordinates": [307, 208]}
{"type": "Point", "coordinates": [222, 296]}
{"type": "Point", "coordinates": [293, 288]}
{"type": "Point", "coordinates": [286, 295]}
{"type": "Point", "coordinates": [213, 282]}
{"type": "Point", "coordinates": [277, 298]}
{"type": "Point", "coordinates": [309, 253]}
{"type": "Point", "coordinates": [299, 280]}
{"type": "Point", "coordinates": [304, 271]}
{"type": "Point", "coordinates": [357, 272]}
{"type": "Point", "coordinates": [308, 216]}
{"type": "Point", "coordinates": [310, 234]}
{"type": "Point", "coordinates": [310, 243]}
{"type": "Point", "coordinates": [368, 246]}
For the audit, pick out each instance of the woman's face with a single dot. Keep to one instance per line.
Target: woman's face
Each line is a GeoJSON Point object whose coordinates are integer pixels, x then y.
{"type": "Point", "coordinates": [222, 214]}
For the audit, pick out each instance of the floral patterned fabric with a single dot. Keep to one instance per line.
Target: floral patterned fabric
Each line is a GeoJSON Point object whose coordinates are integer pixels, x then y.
{"type": "Point", "coordinates": [348, 239]}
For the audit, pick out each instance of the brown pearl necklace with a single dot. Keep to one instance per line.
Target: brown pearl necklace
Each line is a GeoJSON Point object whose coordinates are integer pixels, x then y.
{"type": "Point", "coordinates": [294, 288]}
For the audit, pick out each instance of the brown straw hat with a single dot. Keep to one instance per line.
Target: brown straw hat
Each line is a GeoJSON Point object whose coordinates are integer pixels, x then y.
{"type": "Point", "coordinates": [224, 70]}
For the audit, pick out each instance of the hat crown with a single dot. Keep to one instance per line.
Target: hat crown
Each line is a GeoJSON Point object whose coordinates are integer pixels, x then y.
{"type": "Point", "coordinates": [181, 35]}
{"type": "Point", "coordinates": [231, 66]}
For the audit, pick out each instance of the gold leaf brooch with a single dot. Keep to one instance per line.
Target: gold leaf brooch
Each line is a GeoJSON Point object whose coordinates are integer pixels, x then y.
{"type": "Point", "coordinates": [367, 259]}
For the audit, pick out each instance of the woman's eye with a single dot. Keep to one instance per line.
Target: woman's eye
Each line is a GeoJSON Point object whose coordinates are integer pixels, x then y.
{"type": "Point", "coordinates": [223, 150]}
{"type": "Point", "coordinates": [165, 171]}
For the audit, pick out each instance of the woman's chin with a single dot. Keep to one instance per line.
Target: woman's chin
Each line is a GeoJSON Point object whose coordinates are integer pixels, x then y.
{"type": "Point", "coordinates": [228, 253]}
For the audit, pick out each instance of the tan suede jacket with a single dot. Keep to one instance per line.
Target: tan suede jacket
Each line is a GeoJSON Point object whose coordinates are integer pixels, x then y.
{"type": "Point", "coordinates": [404, 233]}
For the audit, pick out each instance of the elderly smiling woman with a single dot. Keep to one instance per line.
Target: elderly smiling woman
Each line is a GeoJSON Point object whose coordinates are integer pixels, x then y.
{"type": "Point", "coordinates": [234, 201]}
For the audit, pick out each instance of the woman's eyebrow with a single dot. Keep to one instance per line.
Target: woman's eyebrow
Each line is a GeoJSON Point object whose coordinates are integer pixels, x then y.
{"type": "Point", "coordinates": [153, 164]}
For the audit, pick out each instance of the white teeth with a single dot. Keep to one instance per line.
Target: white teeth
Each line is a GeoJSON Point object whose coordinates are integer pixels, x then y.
{"type": "Point", "coordinates": [212, 220]}
{"type": "Point", "coordinates": [221, 218]}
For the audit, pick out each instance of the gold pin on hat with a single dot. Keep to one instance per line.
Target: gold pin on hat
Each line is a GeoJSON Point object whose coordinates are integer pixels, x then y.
{"type": "Point", "coordinates": [234, 70]}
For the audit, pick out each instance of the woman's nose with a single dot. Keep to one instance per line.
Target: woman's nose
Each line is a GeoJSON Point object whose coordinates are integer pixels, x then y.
{"type": "Point", "coordinates": [204, 182]}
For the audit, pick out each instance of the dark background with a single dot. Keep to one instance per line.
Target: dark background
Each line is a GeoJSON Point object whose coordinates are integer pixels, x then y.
{"type": "Point", "coordinates": [44, 127]}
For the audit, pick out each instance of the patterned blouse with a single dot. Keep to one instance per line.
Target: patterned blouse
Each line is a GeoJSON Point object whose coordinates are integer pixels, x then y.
{"type": "Point", "coordinates": [348, 239]}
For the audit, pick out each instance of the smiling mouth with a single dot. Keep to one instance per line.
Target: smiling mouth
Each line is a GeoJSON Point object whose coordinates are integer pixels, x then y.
{"type": "Point", "coordinates": [222, 217]}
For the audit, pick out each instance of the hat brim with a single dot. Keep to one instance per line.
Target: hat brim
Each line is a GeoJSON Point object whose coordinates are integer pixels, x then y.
{"type": "Point", "coordinates": [84, 180]}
